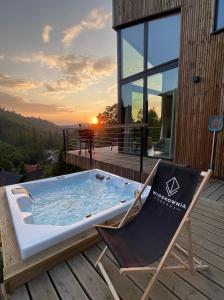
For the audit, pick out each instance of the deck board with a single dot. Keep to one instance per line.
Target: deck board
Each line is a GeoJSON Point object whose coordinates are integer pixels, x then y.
{"type": "Point", "coordinates": [124, 286]}
{"type": "Point", "coordinates": [91, 281]}
{"type": "Point", "coordinates": [21, 293]}
{"type": "Point", "coordinates": [221, 199]}
{"type": "Point", "coordinates": [42, 288]}
{"type": "Point", "coordinates": [66, 284]}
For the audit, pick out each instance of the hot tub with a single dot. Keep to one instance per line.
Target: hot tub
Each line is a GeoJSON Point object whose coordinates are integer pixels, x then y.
{"type": "Point", "coordinates": [48, 211]}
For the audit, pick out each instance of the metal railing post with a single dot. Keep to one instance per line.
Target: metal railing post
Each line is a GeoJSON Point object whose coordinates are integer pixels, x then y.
{"type": "Point", "coordinates": [90, 148]}
{"type": "Point", "coordinates": [141, 152]}
{"type": "Point", "coordinates": [64, 146]}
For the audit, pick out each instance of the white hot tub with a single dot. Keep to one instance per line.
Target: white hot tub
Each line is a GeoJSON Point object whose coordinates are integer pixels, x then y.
{"type": "Point", "coordinates": [46, 212]}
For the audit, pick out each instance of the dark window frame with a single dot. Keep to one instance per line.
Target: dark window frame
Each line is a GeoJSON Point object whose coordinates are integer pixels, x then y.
{"type": "Point", "coordinates": [215, 18]}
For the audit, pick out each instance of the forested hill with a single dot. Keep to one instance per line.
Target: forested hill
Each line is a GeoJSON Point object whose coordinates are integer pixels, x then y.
{"type": "Point", "coordinates": [29, 137]}
{"type": "Point", "coordinates": [17, 130]}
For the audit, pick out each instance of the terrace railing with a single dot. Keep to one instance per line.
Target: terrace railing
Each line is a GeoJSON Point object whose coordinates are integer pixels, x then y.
{"type": "Point", "coordinates": [127, 139]}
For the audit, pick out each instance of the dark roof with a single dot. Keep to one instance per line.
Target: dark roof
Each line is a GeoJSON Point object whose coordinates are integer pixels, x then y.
{"type": "Point", "coordinates": [7, 178]}
{"type": "Point", "coordinates": [30, 176]}
{"type": "Point", "coordinates": [32, 168]}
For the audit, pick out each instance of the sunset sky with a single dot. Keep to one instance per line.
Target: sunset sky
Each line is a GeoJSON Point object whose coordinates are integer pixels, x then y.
{"type": "Point", "coordinates": [57, 58]}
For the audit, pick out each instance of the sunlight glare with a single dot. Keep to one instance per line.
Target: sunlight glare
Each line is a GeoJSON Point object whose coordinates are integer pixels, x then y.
{"type": "Point", "coordinates": [94, 120]}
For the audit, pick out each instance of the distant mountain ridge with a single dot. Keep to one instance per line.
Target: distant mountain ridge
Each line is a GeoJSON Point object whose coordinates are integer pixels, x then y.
{"type": "Point", "coordinates": [30, 138]}
{"type": "Point", "coordinates": [14, 117]}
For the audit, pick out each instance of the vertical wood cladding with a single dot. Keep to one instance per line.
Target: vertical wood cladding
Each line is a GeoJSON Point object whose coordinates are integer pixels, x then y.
{"type": "Point", "coordinates": [201, 54]}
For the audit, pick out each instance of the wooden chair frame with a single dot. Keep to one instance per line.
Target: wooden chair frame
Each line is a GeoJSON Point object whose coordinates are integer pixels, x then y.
{"type": "Point", "coordinates": [190, 264]}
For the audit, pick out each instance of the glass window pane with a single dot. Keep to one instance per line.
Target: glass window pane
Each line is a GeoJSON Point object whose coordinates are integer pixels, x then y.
{"type": "Point", "coordinates": [163, 40]}
{"type": "Point", "coordinates": [132, 112]}
{"type": "Point", "coordinates": [219, 15]}
{"type": "Point", "coordinates": [132, 45]}
{"type": "Point", "coordinates": [132, 102]}
{"type": "Point", "coordinates": [162, 89]}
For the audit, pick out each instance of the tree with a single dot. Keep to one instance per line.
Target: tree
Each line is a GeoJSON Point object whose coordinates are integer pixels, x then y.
{"type": "Point", "coordinates": [6, 164]}
{"type": "Point", "coordinates": [17, 159]}
{"type": "Point", "coordinates": [139, 116]}
{"type": "Point", "coordinates": [153, 118]}
{"type": "Point", "coordinates": [109, 116]}
{"type": "Point", "coordinates": [22, 168]}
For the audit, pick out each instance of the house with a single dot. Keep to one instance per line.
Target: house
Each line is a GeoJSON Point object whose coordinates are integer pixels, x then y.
{"type": "Point", "coordinates": [171, 75]}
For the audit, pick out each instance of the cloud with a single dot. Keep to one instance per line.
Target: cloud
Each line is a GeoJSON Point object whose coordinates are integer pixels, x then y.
{"type": "Point", "coordinates": [78, 72]}
{"type": "Point", "coordinates": [97, 19]}
{"type": "Point", "coordinates": [7, 82]}
{"type": "Point", "coordinates": [19, 105]}
{"type": "Point", "coordinates": [81, 72]}
{"type": "Point", "coordinates": [46, 33]}
{"type": "Point", "coordinates": [50, 60]}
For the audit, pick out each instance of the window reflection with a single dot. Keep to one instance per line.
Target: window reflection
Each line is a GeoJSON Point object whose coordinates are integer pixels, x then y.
{"type": "Point", "coordinates": [162, 89]}
{"type": "Point", "coordinates": [132, 112]}
{"type": "Point", "coordinates": [132, 45]}
{"type": "Point", "coordinates": [163, 40]}
{"type": "Point", "coordinates": [132, 102]}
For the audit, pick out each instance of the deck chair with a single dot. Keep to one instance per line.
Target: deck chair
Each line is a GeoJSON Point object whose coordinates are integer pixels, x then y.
{"type": "Point", "coordinates": [144, 243]}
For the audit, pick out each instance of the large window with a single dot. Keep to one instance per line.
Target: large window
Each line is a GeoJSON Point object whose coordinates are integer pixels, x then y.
{"type": "Point", "coordinates": [132, 45]}
{"type": "Point", "coordinates": [219, 15]}
{"type": "Point", "coordinates": [148, 72]}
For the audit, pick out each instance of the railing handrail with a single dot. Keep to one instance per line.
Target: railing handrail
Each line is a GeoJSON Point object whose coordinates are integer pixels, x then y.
{"type": "Point", "coordinates": [96, 127]}
{"type": "Point", "coordinates": [137, 125]}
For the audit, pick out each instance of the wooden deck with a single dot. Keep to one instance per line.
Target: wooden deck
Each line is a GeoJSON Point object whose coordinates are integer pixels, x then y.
{"type": "Point", "coordinates": [76, 278]}
{"type": "Point", "coordinates": [215, 191]}
{"type": "Point", "coordinates": [122, 164]}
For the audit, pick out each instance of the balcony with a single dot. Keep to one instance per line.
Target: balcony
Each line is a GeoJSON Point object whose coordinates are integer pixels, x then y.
{"type": "Point", "coordinates": [120, 149]}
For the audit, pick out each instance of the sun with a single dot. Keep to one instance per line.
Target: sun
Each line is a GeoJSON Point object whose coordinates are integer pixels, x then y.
{"type": "Point", "coordinates": [94, 120]}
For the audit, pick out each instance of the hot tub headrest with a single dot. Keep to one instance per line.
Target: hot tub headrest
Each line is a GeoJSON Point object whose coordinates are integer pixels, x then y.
{"type": "Point", "coordinates": [100, 176]}
{"type": "Point", "coordinates": [21, 190]}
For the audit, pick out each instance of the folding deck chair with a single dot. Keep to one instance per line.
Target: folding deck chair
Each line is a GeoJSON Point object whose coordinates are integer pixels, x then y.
{"type": "Point", "coordinates": [151, 235]}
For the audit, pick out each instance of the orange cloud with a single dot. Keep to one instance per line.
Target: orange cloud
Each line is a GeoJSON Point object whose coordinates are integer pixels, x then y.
{"type": "Point", "coordinates": [18, 104]}
{"type": "Point", "coordinates": [79, 71]}
{"type": "Point", "coordinates": [7, 82]}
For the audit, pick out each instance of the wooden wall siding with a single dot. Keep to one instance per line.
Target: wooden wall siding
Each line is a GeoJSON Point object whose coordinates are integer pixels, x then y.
{"type": "Point", "coordinates": [125, 11]}
{"type": "Point", "coordinates": [201, 54]}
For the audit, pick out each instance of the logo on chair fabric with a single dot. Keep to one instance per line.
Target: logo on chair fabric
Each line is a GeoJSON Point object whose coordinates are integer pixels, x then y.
{"type": "Point", "coordinates": [172, 186]}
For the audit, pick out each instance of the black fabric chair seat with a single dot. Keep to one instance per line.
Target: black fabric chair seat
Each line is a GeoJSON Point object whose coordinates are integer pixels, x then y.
{"type": "Point", "coordinates": [145, 239]}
